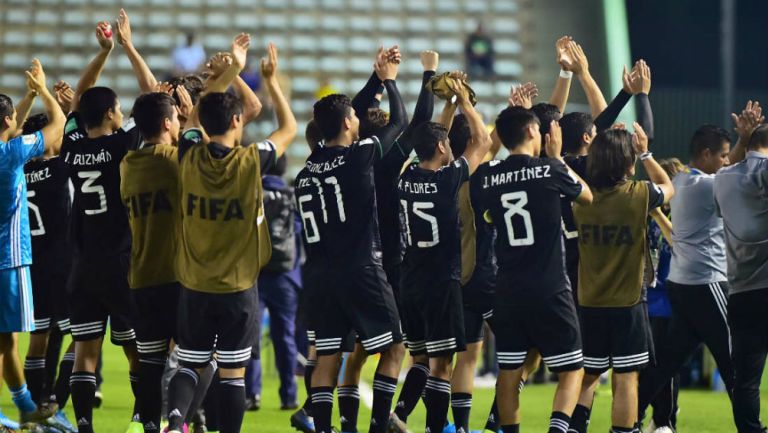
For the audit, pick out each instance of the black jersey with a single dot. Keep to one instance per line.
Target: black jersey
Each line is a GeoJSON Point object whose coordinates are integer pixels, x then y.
{"type": "Point", "coordinates": [49, 202]}
{"type": "Point", "coordinates": [386, 176]}
{"type": "Point", "coordinates": [429, 202]}
{"type": "Point", "coordinates": [99, 219]}
{"type": "Point", "coordinates": [484, 276]}
{"type": "Point", "coordinates": [522, 196]}
{"type": "Point", "coordinates": [336, 198]}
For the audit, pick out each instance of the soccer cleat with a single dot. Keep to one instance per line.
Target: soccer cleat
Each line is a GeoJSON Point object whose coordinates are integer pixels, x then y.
{"type": "Point", "coordinates": [135, 427]}
{"type": "Point", "coordinates": [8, 423]}
{"type": "Point", "coordinates": [301, 421]}
{"type": "Point", "coordinates": [664, 429]}
{"type": "Point", "coordinates": [253, 403]}
{"type": "Point", "coordinates": [396, 425]}
{"type": "Point", "coordinates": [449, 428]}
{"type": "Point", "coordinates": [97, 399]}
{"type": "Point", "coordinates": [40, 415]}
{"type": "Point", "coordinates": [60, 422]}
{"type": "Point", "coordinates": [650, 428]}
{"type": "Point", "coordinates": [4, 429]}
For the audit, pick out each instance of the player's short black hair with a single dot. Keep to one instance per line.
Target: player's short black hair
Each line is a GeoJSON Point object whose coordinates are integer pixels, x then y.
{"type": "Point", "coordinates": [374, 119]}
{"type": "Point", "coordinates": [459, 134]}
{"type": "Point", "coordinates": [192, 82]}
{"type": "Point", "coordinates": [313, 135]}
{"type": "Point", "coordinates": [278, 169]}
{"type": "Point", "coordinates": [610, 156]}
{"type": "Point", "coordinates": [759, 137]}
{"type": "Point", "coordinates": [574, 126]}
{"type": "Point", "coordinates": [330, 112]}
{"type": "Point", "coordinates": [216, 111]}
{"type": "Point", "coordinates": [6, 109]}
{"type": "Point", "coordinates": [95, 103]}
{"type": "Point", "coordinates": [546, 113]}
{"type": "Point", "coordinates": [708, 137]}
{"type": "Point", "coordinates": [512, 123]}
{"type": "Point", "coordinates": [427, 136]}
{"type": "Point", "coordinates": [34, 123]}
{"type": "Point", "coordinates": [150, 110]}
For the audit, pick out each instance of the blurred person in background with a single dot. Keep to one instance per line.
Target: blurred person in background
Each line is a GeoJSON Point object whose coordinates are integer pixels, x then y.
{"type": "Point", "coordinates": [479, 53]}
{"type": "Point", "coordinates": [188, 58]}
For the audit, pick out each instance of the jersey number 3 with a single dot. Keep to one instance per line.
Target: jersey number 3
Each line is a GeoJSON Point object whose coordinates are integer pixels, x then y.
{"type": "Point", "coordinates": [89, 188]}
{"type": "Point", "coordinates": [515, 203]}
{"type": "Point", "coordinates": [308, 217]}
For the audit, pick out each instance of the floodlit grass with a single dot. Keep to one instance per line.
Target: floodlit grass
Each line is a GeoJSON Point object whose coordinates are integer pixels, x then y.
{"type": "Point", "coordinates": [701, 411]}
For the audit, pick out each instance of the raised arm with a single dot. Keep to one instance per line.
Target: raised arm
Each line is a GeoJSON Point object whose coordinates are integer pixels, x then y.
{"type": "Point", "coordinates": [386, 70]}
{"type": "Point", "coordinates": [23, 108]}
{"type": "Point", "coordinates": [563, 85]}
{"type": "Point", "coordinates": [222, 82]}
{"type": "Point", "coordinates": [656, 174]}
{"type": "Point", "coordinates": [144, 75]}
{"type": "Point", "coordinates": [92, 72]}
{"type": "Point", "coordinates": [744, 124]}
{"type": "Point", "coordinates": [286, 122]}
{"type": "Point", "coordinates": [644, 112]}
{"type": "Point", "coordinates": [479, 140]}
{"type": "Point", "coordinates": [64, 95]}
{"type": "Point", "coordinates": [366, 97]}
{"type": "Point", "coordinates": [553, 144]}
{"type": "Point", "coordinates": [53, 132]}
{"type": "Point", "coordinates": [425, 105]}
{"type": "Point", "coordinates": [580, 67]}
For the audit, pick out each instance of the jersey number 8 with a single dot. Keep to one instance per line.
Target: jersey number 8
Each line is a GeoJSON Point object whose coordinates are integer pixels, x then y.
{"type": "Point", "coordinates": [515, 203]}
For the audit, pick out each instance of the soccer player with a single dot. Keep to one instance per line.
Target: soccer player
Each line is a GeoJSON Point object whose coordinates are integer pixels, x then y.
{"type": "Point", "coordinates": [740, 196]}
{"type": "Point", "coordinates": [149, 189]}
{"type": "Point", "coordinates": [49, 204]}
{"type": "Point", "coordinates": [697, 283]}
{"type": "Point", "coordinates": [431, 300]}
{"type": "Point", "coordinates": [612, 256]}
{"type": "Point", "coordinates": [16, 313]}
{"type": "Point", "coordinates": [336, 199]}
{"type": "Point", "coordinates": [386, 175]}
{"type": "Point", "coordinates": [95, 141]}
{"type": "Point", "coordinates": [224, 239]}
{"type": "Point", "coordinates": [521, 196]}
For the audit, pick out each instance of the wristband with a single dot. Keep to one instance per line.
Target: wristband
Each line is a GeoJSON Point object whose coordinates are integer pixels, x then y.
{"type": "Point", "coordinates": [565, 74]}
{"type": "Point", "coordinates": [645, 155]}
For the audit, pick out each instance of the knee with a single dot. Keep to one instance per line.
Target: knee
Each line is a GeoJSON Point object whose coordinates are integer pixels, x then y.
{"type": "Point", "coordinates": [7, 342]}
{"type": "Point", "coordinates": [394, 354]}
{"type": "Point", "coordinates": [229, 373]}
{"type": "Point", "coordinates": [441, 367]}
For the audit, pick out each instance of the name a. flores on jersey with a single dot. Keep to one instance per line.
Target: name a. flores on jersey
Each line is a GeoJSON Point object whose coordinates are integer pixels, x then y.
{"type": "Point", "coordinates": [522, 175]}
{"type": "Point", "coordinates": [144, 203]}
{"type": "Point", "coordinates": [605, 235]}
{"type": "Point", "coordinates": [417, 187]}
{"type": "Point", "coordinates": [38, 175]}
{"type": "Point", "coordinates": [208, 208]}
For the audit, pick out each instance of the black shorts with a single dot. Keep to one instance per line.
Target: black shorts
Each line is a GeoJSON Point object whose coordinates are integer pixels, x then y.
{"type": "Point", "coordinates": [433, 318]}
{"type": "Point", "coordinates": [355, 299]}
{"type": "Point", "coordinates": [615, 338]}
{"type": "Point", "coordinates": [549, 325]}
{"type": "Point", "coordinates": [478, 308]}
{"type": "Point", "coordinates": [99, 293]}
{"type": "Point", "coordinates": [225, 324]}
{"type": "Point", "coordinates": [392, 270]}
{"type": "Point", "coordinates": [155, 309]}
{"type": "Point", "coordinates": [314, 315]}
{"type": "Point", "coordinates": [49, 293]}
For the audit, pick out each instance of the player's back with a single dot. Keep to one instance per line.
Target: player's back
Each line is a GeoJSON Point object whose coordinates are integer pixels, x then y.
{"type": "Point", "coordinates": [149, 188]}
{"type": "Point", "coordinates": [336, 199]}
{"type": "Point", "coordinates": [99, 221]}
{"type": "Point", "coordinates": [522, 195]}
{"type": "Point", "coordinates": [429, 202]}
{"type": "Point", "coordinates": [50, 202]}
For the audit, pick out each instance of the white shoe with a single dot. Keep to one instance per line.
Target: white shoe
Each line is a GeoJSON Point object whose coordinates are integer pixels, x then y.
{"type": "Point", "coordinates": [650, 428]}
{"type": "Point", "coordinates": [664, 430]}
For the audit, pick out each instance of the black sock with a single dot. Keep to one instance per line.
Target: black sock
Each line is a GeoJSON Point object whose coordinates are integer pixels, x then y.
{"type": "Point", "coordinates": [322, 407]}
{"type": "Point", "coordinates": [52, 354]}
{"type": "Point", "coordinates": [149, 392]}
{"type": "Point", "coordinates": [349, 406]}
{"type": "Point", "coordinates": [383, 392]}
{"type": "Point", "coordinates": [181, 391]}
{"type": "Point", "coordinates": [580, 419]}
{"type": "Point", "coordinates": [134, 379]}
{"type": "Point", "coordinates": [231, 404]}
{"type": "Point", "coordinates": [61, 389]}
{"type": "Point", "coordinates": [412, 390]}
{"type": "Point", "coordinates": [83, 386]}
{"type": "Point", "coordinates": [461, 404]}
{"type": "Point", "coordinates": [559, 422]}
{"type": "Point", "coordinates": [438, 395]}
{"type": "Point", "coordinates": [34, 372]}
{"type": "Point", "coordinates": [511, 428]}
{"type": "Point", "coordinates": [211, 405]}
{"type": "Point", "coordinates": [493, 423]}
{"type": "Point", "coordinates": [615, 429]}
{"type": "Point", "coordinates": [309, 368]}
